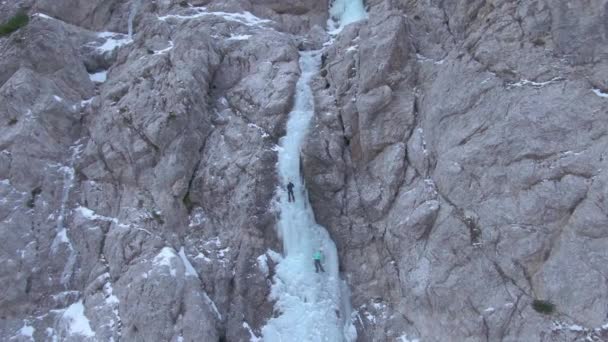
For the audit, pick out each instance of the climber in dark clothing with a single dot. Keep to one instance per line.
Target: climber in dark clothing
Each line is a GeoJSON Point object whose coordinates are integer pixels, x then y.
{"type": "Point", "coordinates": [290, 196]}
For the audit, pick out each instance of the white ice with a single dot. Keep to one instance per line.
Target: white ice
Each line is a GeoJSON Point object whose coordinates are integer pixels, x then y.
{"type": "Point", "coordinates": [312, 306]}
{"type": "Point", "coordinates": [239, 37]}
{"type": "Point", "coordinates": [344, 12]}
{"type": "Point", "coordinates": [76, 320]}
{"type": "Point", "coordinates": [27, 331]}
{"type": "Point", "coordinates": [534, 84]}
{"type": "Point", "coordinates": [113, 41]}
{"type": "Point", "coordinates": [600, 93]}
{"type": "Point", "coordinates": [42, 15]}
{"type": "Point", "coordinates": [190, 271]}
{"type": "Point", "coordinates": [99, 77]}
{"type": "Point", "coordinates": [245, 18]}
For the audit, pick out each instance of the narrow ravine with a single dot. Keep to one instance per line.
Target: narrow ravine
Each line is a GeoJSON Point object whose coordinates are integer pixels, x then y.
{"type": "Point", "coordinates": [311, 306]}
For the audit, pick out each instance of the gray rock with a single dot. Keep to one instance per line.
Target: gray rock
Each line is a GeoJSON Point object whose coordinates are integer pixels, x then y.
{"type": "Point", "coordinates": [483, 212]}
{"type": "Point", "coordinates": [457, 157]}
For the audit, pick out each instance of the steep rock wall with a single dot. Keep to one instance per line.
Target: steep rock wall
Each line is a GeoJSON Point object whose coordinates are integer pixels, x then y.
{"type": "Point", "coordinates": [458, 161]}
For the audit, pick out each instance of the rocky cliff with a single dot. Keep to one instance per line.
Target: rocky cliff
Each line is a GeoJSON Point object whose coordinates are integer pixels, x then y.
{"type": "Point", "coordinates": [456, 158]}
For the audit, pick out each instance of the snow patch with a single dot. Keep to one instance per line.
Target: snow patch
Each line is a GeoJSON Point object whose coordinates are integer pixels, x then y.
{"type": "Point", "coordinates": [44, 16]}
{"type": "Point", "coordinates": [27, 331]}
{"type": "Point", "coordinates": [77, 322]}
{"type": "Point", "coordinates": [252, 336]}
{"type": "Point", "coordinates": [239, 37]}
{"type": "Point", "coordinates": [89, 214]}
{"type": "Point", "coordinates": [202, 256]}
{"type": "Point", "coordinates": [87, 102]}
{"type": "Point", "coordinates": [245, 18]}
{"type": "Point", "coordinates": [600, 93]}
{"type": "Point", "coordinates": [525, 82]}
{"type": "Point", "coordinates": [404, 338]}
{"type": "Point", "coordinates": [113, 41]}
{"type": "Point", "coordinates": [262, 131]}
{"type": "Point", "coordinates": [424, 59]}
{"type": "Point", "coordinates": [262, 262]}
{"type": "Point", "coordinates": [164, 259]}
{"type": "Point", "coordinates": [197, 217]}
{"type": "Point", "coordinates": [165, 50]}
{"type": "Point", "coordinates": [99, 77]}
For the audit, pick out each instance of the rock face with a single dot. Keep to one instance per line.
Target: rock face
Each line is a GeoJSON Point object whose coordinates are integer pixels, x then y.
{"type": "Point", "coordinates": [457, 159]}
{"type": "Point", "coordinates": [138, 173]}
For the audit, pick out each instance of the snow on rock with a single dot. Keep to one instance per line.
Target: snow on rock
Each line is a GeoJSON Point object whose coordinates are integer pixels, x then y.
{"type": "Point", "coordinates": [424, 59]}
{"type": "Point", "coordinates": [113, 41]}
{"type": "Point", "coordinates": [403, 338]}
{"type": "Point", "coordinates": [245, 18]}
{"type": "Point", "coordinates": [165, 50]}
{"type": "Point", "coordinates": [197, 217]}
{"type": "Point", "coordinates": [27, 331]}
{"type": "Point", "coordinates": [600, 93]}
{"type": "Point", "coordinates": [76, 321]}
{"type": "Point", "coordinates": [42, 15]}
{"type": "Point", "coordinates": [164, 259]}
{"type": "Point", "coordinates": [99, 77]}
{"type": "Point", "coordinates": [260, 129]}
{"type": "Point", "coordinates": [262, 262]}
{"type": "Point", "coordinates": [89, 214]}
{"type": "Point", "coordinates": [239, 37]}
{"type": "Point", "coordinates": [524, 82]}
{"type": "Point", "coordinates": [252, 336]}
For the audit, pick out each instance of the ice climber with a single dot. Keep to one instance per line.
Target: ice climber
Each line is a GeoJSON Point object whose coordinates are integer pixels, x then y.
{"type": "Point", "coordinates": [317, 257]}
{"type": "Point", "coordinates": [290, 196]}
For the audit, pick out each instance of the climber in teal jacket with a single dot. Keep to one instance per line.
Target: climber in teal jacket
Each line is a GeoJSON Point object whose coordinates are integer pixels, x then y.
{"type": "Point", "coordinates": [317, 257]}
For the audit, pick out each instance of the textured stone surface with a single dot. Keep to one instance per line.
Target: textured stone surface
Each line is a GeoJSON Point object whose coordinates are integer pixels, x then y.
{"type": "Point", "coordinates": [460, 168]}
{"type": "Point", "coordinates": [456, 157]}
{"type": "Point", "coordinates": [108, 187]}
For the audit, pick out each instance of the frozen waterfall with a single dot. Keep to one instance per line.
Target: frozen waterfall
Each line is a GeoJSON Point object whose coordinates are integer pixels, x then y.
{"type": "Point", "coordinates": [344, 12]}
{"type": "Point", "coordinates": [312, 306]}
